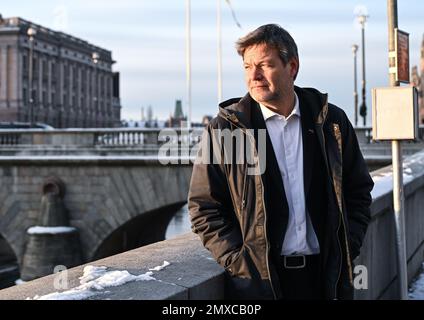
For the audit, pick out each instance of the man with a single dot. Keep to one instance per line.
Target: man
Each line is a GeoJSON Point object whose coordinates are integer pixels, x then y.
{"type": "Point", "coordinates": [293, 230]}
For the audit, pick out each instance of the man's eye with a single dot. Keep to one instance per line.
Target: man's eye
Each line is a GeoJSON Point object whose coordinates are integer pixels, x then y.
{"type": "Point", "coordinates": [246, 67]}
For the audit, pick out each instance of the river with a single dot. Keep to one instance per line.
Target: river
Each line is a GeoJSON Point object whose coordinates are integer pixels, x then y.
{"type": "Point", "coordinates": [179, 224]}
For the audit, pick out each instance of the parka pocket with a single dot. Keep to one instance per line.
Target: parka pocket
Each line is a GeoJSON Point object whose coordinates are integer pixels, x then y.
{"type": "Point", "coordinates": [234, 268]}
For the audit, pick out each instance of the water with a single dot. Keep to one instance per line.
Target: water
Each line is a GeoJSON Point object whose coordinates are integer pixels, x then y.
{"type": "Point", "coordinates": [179, 224]}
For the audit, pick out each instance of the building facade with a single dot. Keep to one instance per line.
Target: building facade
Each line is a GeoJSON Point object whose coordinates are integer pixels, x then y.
{"type": "Point", "coordinates": [73, 84]}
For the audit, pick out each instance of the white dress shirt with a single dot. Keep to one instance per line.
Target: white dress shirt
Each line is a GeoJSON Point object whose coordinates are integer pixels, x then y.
{"type": "Point", "coordinates": [286, 139]}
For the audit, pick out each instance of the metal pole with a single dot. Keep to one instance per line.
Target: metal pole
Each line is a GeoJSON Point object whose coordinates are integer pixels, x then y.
{"type": "Point", "coordinates": [355, 84]}
{"type": "Point", "coordinates": [363, 109]}
{"type": "Point", "coordinates": [219, 49]}
{"type": "Point", "coordinates": [398, 196]}
{"type": "Point", "coordinates": [188, 61]}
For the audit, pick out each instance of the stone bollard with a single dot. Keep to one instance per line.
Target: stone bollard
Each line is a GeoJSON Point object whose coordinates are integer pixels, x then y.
{"type": "Point", "coordinates": [52, 242]}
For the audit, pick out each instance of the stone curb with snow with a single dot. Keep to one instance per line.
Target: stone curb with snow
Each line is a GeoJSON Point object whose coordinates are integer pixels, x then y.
{"type": "Point", "coordinates": [96, 279]}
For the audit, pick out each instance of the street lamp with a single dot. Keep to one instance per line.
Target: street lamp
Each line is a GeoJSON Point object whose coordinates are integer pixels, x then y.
{"type": "Point", "coordinates": [96, 57]}
{"type": "Point", "coordinates": [355, 87]}
{"type": "Point", "coordinates": [31, 32]}
{"type": "Point", "coordinates": [362, 19]}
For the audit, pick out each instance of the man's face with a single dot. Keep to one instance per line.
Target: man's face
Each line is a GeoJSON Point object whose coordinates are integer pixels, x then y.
{"type": "Point", "coordinates": [268, 79]}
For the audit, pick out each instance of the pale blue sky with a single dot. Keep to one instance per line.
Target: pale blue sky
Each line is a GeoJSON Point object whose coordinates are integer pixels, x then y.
{"type": "Point", "coordinates": [147, 41]}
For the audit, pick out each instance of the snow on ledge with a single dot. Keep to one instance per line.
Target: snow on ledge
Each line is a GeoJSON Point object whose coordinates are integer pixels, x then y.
{"type": "Point", "coordinates": [96, 279]}
{"type": "Point", "coordinates": [159, 268]}
{"type": "Point", "coordinates": [416, 291]}
{"type": "Point", "coordinates": [413, 167]}
{"type": "Point", "coordinates": [50, 230]}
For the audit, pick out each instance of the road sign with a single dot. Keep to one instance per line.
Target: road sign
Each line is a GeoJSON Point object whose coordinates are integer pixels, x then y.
{"type": "Point", "coordinates": [402, 55]}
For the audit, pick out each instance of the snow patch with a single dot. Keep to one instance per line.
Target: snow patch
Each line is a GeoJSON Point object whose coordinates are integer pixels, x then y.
{"type": "Point", "coordinates": [158, 268]}
{"type": "Point", "coordinates": [50, 230]}
{"type": "Point", "coordinates": [416, 291]}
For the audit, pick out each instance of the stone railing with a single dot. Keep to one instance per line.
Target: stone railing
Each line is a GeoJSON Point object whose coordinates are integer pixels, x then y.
{"type": "Point", "coordinates": [364, 134]}
{"type": "Point", "coordinates": [121, 136]}
{"type": "Point", "coordinates": [118, 137]}
{"type": "Point", "coordinates": [378, 254]}
{"type": "Point", "coordinates": [191, 274]}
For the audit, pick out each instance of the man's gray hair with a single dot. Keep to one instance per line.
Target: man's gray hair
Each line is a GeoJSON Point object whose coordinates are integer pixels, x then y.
{"type": "Point", "coordinates": [272, 35]}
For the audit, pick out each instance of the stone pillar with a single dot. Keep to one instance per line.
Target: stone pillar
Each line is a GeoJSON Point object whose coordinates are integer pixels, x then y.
{"type": "Point", "coordinates": [60, 91]}
{"type": "Point", "coordinates": [39, 110]}
{"type": "Point", "coordinates": [78, 96]}
{"type": "Point", "coordinates": [3, 76]}
{"type": "Point", "coordinates": [49, 101]}
{"type": "Point", "coordinates": [12, 73]}
{"type": "Point", "coordinates": [70, 110]}
{"type": "Point", "coordinates": [52, 242]}
{"type": "Point", "coordinates": [89, 97]}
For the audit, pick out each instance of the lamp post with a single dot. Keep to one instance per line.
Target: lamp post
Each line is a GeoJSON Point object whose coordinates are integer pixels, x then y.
{"type": "Point", "coordinates": [31, 32]}
{"type": "Point", "coordinates": [362, 19]}
{"type": "Point", "coordinates": [95, 57]}
{"type": "Point", "coordinates": [188, 60]}
{"type": "Point", "coordinates": [219, 49]}
{"type": "Point", "coordinates": [355, 87]}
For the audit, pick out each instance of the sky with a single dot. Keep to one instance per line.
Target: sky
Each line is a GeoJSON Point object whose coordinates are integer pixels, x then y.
{"type": "Point", "coordinates": [147, 39]}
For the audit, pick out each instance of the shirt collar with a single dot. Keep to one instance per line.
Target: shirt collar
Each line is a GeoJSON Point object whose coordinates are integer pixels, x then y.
{"type": "Point", "coordinates": [267, 113]}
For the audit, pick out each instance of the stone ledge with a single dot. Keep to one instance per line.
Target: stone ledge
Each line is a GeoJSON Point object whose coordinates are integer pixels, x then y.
{"type": "Point", "coordinates": [192, 274]}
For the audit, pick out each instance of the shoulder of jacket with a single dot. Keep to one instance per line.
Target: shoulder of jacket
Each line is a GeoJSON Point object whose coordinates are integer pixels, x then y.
{"type": "Point", "coordinates": [336, 113]}
{"type": "Point", "coordinates": [218, 122]}
{"type": "Point", "coordinates": [229, 102]}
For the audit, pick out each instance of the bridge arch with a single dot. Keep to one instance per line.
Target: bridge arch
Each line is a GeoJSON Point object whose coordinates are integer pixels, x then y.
{"type": "Point", "coordinates": [141, 230]}
{"type": "Point", "coordinates": [9, 267]}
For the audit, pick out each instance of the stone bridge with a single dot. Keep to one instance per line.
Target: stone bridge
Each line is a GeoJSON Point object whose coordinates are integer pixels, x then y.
{"type": "Point", "coordinates": [117, 192]}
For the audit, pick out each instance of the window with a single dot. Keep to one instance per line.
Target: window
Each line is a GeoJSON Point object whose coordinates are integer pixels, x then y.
{"type": "Point", "coordinates": [24, 96]}
{"type": "Point", "coordinates": [25, 63]}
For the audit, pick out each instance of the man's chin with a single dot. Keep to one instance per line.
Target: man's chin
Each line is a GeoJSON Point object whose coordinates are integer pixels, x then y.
{"type": "Point", "coordinates": [263, 99]}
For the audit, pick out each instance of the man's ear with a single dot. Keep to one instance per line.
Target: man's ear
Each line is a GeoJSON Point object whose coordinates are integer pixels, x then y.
{"type": "Point", "coordinates": [294, 67]}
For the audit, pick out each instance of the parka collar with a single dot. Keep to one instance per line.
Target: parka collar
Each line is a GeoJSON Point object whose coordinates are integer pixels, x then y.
{"type": "Point", "coordinates": [238, 110]}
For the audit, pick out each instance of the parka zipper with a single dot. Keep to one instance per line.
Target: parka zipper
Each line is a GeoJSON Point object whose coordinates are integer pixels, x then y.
{"type": "Point", "coordinates": [340, 213]}
{"type": "Point", "coordinates": [233, 119]}
{"type": "Point", "coordinates": [244, 195]}
{"type": "Point", "coordinates": [340, 205]}
{"type": "Point", "coordinates": [338, 227]}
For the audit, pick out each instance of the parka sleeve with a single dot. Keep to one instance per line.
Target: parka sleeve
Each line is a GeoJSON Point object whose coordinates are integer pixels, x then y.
{"type": "Point", "coordinates": [357, 186]}
{"type": "Point", "coordinates": [210, 206]}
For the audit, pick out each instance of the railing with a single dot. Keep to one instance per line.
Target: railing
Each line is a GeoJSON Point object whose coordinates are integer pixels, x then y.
{"type": "Point", "coordinates": [99, 137]}
{"type": "Point", "coordinates": [124, 136]}
{"type": "Point", "coordinates": [364, 134]}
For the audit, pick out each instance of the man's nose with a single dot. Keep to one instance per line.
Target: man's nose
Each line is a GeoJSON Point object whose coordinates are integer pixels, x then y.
{"type": "Point", "coordinates": [256, 73]}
